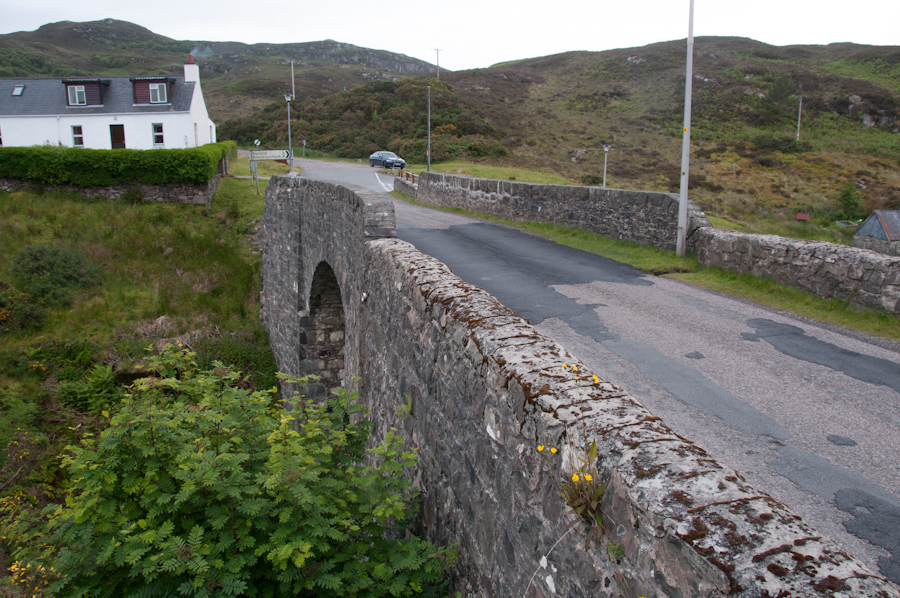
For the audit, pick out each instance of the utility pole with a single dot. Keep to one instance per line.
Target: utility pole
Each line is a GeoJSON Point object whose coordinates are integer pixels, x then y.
{"type": "Point", "coordinates": [686, 140]}
{"type": "Point", "coordinates": [605, 156]}
{"type": "Point", "coordinates": [287, 98]}
{"type": "Point", "coordinates": [428, 146]}
{"type": "Point", "coordinates": [438, 50]}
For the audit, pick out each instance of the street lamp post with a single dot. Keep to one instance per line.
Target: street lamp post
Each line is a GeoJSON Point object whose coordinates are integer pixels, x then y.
{"type": "Point", "coordinates": [288, 96]}
{"type": "Point", "coordinates": [605, 156]}
{"type": "Point", "coordinates": [686, 141]}
{"type": "Point", "coordinates": [428, 146]}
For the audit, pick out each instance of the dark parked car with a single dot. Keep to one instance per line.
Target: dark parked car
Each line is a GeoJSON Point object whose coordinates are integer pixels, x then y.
{"type": "Point", "coordinates": [386, 160]}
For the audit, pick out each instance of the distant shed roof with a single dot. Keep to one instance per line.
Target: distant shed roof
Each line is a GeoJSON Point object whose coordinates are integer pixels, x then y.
{"type": "Point", "coordinates": [882, 224]}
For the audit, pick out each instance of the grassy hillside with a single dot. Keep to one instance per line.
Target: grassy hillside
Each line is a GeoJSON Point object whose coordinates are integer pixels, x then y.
{"type": "Point", "coordinates": [561, 109]}
{"type": "Point", "coordinates": [237, 78]}
{"type": "Point", "coordinates": [748, 169]}
{"type": "Point", "coordinates": [555, 113]}
{"type": "Point", "coordinates": [382, 115]}
{"type": "Point", "coordinates": [158, 273]}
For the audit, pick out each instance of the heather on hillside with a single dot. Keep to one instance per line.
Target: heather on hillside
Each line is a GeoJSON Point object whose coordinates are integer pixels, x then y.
{"type": "Point", "coordinates": [389, 115]}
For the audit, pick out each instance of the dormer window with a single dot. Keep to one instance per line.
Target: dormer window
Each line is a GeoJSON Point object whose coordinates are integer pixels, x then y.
{"type": "Point", "coordinates": [77, 96]}
{"type": "Point", "coordinates": [18, 90]}
{"type": "Point", "coordinates": [157, 93]}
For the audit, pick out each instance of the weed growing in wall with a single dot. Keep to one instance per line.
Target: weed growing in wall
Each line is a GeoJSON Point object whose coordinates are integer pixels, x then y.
{"type": "Point", "coordinates": [580, 488]}
{"type": "Point", "coordinates": [583, 492]}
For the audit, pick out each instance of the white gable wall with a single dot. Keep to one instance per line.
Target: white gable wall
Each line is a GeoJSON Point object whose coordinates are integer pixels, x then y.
{"type": "Point", "coordinates": [205, 128]}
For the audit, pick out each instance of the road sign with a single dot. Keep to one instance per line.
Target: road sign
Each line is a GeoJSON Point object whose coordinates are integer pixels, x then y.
{"type": "Point", "coordinates": [270, 155]}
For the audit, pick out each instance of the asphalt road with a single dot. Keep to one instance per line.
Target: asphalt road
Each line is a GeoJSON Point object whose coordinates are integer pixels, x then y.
{"type": "Point", "coordinates": [807, 413]}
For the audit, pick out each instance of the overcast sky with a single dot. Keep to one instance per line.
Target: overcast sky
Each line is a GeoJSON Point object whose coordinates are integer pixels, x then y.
{"type": "Point", "coordinates": [479, 33]}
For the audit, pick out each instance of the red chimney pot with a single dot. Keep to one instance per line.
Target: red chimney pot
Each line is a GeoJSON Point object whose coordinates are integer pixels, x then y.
{"type": "Point", "coordinates": [190, 59]}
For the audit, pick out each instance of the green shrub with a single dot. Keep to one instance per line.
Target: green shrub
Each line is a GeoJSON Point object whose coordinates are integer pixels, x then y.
{"type": "Point", "coordinates": [783, 143]}
{"type": "Point", "coordinates": [244, 352]}
{"type": "Point", "coordinates": [18, 312]}
{"type": "Point", "coordinates": [200, 488]}
{"type": "Point", "coordinates": [96, 393]}
{"type": "Point", "coordinates": [82, 167]}
{"type": "Point", "coordinates": [18, 410]}
{"type": "Point", "coordinates": [781, 90]}
{"type": "Point", "coordinates": [849, 199]}
{"type": "Point", "coordinates": [51, 274]}
{"type": "Point", "coordinates": [13, 363]}
{"type": "Point", "coordinates": [77, 353]}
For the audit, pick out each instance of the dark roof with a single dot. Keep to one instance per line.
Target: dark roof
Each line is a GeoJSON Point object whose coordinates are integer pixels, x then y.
{"type": "Point", "coordinates": [882, 224]}
{"type": "Point", "coordinates": [47, 97]}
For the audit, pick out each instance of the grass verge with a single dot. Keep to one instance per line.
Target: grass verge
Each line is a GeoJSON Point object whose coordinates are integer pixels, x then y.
{"type": "Point", "coordinates": [265, 168]}
{"type": "Point", "coordinates": [503, 173]}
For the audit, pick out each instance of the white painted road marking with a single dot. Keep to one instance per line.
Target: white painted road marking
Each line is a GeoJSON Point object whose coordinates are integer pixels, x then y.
{"type": "Point", "coordinates": [383, 186]}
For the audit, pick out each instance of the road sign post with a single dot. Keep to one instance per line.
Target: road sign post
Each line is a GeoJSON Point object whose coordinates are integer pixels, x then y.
{"type": "Point", "coordinates": [255, 174]}
{"type": "Point", "coordinates": [281, 154]}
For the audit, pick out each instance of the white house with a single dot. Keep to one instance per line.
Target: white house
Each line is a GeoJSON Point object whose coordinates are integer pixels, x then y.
{"type": "Point", "coordinates": [145, 112]}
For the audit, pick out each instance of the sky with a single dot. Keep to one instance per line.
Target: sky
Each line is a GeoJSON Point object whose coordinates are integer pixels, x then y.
{"type": "Point", "coordinates": [478, 33]}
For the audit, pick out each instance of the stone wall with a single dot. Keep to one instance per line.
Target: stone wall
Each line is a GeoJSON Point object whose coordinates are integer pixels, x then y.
{"type": "Point", "coordinates": [404, 186]}
{"type": "Point", "coordinates": [485, 390]}
{"type": "Point", "coordinates": [830, 271]}
{"type": "Point", "coordinates": [645, 217]}
{"type": "Point", "coordinates": [879, 245]}
{"type": "Point", "coordinates": [858, 276]}
{"type": "Point", "coordinates": [189, 193]}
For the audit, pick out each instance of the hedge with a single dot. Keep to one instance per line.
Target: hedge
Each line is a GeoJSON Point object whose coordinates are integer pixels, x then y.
{"type": "Point", "coordinates": [52, 165]}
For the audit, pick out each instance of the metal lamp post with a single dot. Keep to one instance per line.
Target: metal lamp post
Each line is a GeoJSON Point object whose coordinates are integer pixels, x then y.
{"type": "Point", "coordinates": [685, 141]}
{"type": "Point", "coordinates": [605, 157]}
{"type": "Point", "coordinates": [288, 96]}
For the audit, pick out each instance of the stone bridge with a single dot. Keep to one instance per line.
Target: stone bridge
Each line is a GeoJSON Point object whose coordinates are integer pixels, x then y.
{"type": "Point", "coordinates": [341, 296]}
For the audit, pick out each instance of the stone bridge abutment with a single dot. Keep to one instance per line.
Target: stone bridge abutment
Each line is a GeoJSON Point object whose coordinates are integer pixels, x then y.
{"type": "Point", "coordinates": [342, 295]}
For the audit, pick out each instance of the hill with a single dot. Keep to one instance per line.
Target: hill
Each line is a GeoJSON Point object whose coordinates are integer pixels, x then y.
{"type": "Point", "coordinates": [237, 78]}
{"type": "Point", "coordinates": [554, 112]}
{"type": "Point", "coordinates": [560, 110]}
{"type": "Point", "coordinates": [557, 112]}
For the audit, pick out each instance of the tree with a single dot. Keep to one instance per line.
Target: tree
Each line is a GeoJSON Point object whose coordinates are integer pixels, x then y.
{"type": "Point", "coordinates": [200, 488]}
{"type": "Point", "coordinates": [850, 201]}
{"type": "Point", "coordinates": [781, 91]}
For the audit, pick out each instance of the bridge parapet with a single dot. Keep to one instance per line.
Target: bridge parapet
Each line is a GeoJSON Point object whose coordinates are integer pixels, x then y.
{"type": "Point", "coordinates": [827, 270]}
{"type": "Point", "coordinates": [485, 390]}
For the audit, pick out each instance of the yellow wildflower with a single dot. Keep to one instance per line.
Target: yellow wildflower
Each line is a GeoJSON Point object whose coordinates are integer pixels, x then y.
{"type": "Point", "coordinates": [587, 476]}
{"type": "Point", "coordinates": [540, 448]}
{"type": "Point", "coordinates": [553, 450]}
{"type": "Point", "coordinates": [574, 477]}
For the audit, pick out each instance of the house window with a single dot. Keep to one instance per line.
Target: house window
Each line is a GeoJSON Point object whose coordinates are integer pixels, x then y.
{"type": "Point", "coordinates": [157, 134]}
{"type": "Point", "coordinates": [76, 95]}
{"type": "Point", "coordinates": [157, 93]}
{"type": "Point", "coordinates": [77, 136]}
{"type": "Point", "coordinates": [18, 90]}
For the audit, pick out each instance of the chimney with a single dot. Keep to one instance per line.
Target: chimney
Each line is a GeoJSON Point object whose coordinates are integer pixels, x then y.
{"type": "Point", "coordinates": [191, 70]}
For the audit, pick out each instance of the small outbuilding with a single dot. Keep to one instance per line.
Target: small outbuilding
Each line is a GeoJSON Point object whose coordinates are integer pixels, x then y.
{"type": "Point", "coordinates": [880, 232]}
